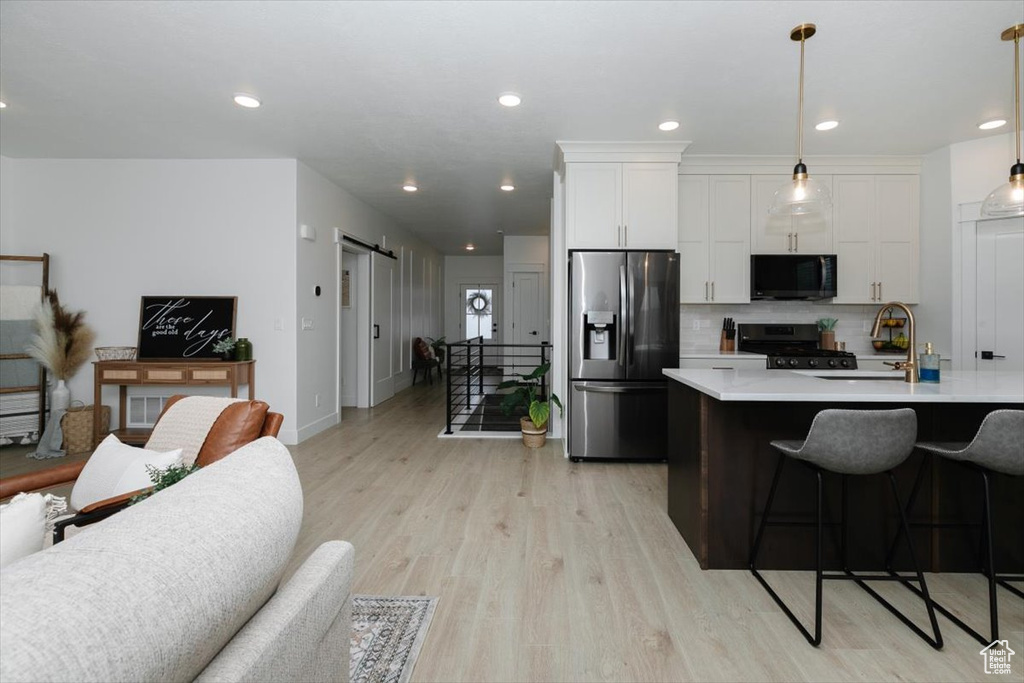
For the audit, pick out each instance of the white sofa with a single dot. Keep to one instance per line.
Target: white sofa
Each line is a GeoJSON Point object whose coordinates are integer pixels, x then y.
{"type": "Point", "coordinates": [184, 586]}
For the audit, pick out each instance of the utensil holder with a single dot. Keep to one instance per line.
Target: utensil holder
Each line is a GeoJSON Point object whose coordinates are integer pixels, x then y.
{"type": "Point", "coordinates": [827, 340]}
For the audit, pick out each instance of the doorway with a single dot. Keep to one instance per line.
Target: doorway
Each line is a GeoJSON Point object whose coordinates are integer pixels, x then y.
{"type": "Point", "coordinates": [353, 327]}
{"type": "Point", "coordinates": [480, 311]}
{"type": "Point", "coordinates": [528, 321]}
{"type": "Point", "coordinates": [988, 293]}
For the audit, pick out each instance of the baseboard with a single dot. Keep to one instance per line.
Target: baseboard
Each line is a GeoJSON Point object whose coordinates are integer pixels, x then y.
{"type": "Point", "coordinates": [289, 437]}
{"type": "Point", "coordinates": [403, 380]}
{"type": "Point", "coordinates": [313, 428]}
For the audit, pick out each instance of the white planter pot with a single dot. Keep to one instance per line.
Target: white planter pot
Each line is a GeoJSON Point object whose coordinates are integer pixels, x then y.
{"type": "Point", "coordinates": [60, 397]}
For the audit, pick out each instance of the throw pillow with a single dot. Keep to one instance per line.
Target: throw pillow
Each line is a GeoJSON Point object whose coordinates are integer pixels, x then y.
{"type": "Point", "coordinates": [116, 468]}
{"type": "Point", "coordinates": [24, 523]}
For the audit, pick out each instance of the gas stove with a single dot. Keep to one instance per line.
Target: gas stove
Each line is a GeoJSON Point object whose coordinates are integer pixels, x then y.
{"type": "Point", "coordinates": [792, 346]}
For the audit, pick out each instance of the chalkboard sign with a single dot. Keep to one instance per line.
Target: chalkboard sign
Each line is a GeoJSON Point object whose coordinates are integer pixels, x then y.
{"type": "Point", "coordinates": [184, 327]}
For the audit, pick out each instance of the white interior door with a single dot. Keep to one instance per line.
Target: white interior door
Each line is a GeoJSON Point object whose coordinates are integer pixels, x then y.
{"type": "Point", "coordinates": [383, 333]}
{"type": "Point", "coordinates": [527, 322]}
{"type": "Point", "coordinates": [1000, 295]}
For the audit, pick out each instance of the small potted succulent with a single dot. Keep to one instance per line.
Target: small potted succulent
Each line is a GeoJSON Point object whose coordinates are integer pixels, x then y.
{"type": "Point", "coordinates": [225, 347]}
{"type": "Point", "coordinates": [538, 407]}
{"type": "Point", "coordinates": [827, 333]}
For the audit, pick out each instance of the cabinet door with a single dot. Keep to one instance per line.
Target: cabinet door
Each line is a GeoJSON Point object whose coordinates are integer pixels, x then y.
{"type": "Point", "coordinates": [854, 232]}
{"type": "Point", "coordinates": [694, 245]}
{"type": "Point", "coordinates": [813, 234]}
{"type": "Point", "coordinates": [593, 206]}
{"type": "Point", "coordinates": [768, 234]}
{"type": "Point", "coordinates": [729, 217]}
{"type": "Point", "coordinates": [649, 205]}
{"type": "Point", "coordinates": [896, 264]}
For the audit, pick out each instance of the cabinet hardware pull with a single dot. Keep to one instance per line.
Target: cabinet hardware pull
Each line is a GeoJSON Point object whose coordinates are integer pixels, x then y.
{"type": "Point", "coordinates": [625, 235]}
{"type": "Point", "coordinates": [712, 290]}
{"type": "Point", "coordinates": [796, 241]}
{"type": "Point", "coordinates": [879, 291]}
{"type": "Point", "coordinates": [873, 297]}
{"type": "Point", "coordinates": [706, 298]}
{"type": "Point", "coordinates": [789, 241]}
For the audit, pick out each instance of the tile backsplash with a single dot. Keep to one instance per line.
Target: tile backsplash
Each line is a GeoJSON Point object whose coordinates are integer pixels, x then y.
{"type": "Point", "coordinates": [701, 325]}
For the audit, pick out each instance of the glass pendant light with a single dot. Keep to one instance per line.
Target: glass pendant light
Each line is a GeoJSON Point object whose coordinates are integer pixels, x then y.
{"type": "Point", "coordinates": [1008, 199]}
{"type": "Point", "coordinates": [804, 196]}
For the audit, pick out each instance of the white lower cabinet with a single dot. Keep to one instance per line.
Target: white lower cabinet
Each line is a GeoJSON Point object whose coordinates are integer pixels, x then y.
{"type": "Point", "coordinates": [714, 238]}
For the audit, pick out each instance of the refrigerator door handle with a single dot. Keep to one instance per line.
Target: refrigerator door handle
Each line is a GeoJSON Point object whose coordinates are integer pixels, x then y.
{"type": "Point", "coordinates": [631, 388]}
{"type": "Point", "coordinates": [622, 316]}
{"type": "Point", "coordinates": [630, 330]}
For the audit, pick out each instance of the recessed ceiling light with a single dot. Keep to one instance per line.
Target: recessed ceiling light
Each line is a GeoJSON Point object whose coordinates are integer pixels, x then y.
{"type": "Point", "coordinates": [826, 125]}
{"type": "Point", "coordinates": [501, 232]}
{"type": "Point", "coordinates": [509, 99]}
{"type": "Point", "coordinates": [410, 188]}
{"type": "Point", "coordinates": [508, 187]}
{"type": "Point", "coordinates": [470, 247]}
{"type": "Point", "coordinates": [247, 101]}
{"type": "Point", "coordinates": [668, 125]}
{"type": "Point", "coordinates": [994, 123]}
{"type": "Point", "coordinates": [3, 105]}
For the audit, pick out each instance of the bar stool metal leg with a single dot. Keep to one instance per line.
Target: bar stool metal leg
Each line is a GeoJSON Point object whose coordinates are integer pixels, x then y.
{"type": "Point", "coordinates": [814, 640]}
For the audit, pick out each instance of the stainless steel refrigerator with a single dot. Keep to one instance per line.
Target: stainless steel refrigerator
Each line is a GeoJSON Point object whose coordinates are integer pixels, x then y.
{"type": "Point", "coordinates": [624, 329]}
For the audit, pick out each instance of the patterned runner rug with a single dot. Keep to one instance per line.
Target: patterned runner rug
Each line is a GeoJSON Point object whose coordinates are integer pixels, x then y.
{"type": "Point", "coordinates": [387, 634]}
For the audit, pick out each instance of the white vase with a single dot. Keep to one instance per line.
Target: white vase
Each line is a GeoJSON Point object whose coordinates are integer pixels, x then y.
{"type": "Point", "coordinates": [60, 397]}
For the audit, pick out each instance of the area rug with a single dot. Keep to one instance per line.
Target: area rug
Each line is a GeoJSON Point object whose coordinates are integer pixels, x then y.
{"type": "Point", "coordinates": [387, 634]}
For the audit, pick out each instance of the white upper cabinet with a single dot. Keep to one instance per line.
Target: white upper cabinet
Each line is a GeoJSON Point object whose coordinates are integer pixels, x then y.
{"type": "Point", "coordinates": [593, 206]}
{"type": "Point", "coordinates": [649, 219]}
{"type": "Point", "coordinates": [714, 238]}
{"type": "Point", "coordinates": [621, 206]}
{"type": "Point", "coordinates": [784, 234]}
{"type": "Point", "coordinates": [877, 238]}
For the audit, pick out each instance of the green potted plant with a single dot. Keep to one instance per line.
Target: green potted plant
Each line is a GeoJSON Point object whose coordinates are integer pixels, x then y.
{"type": "Point", "coordinates": [526, 394]}
{"type": "Point", "coordinates": [438, 345]}
{"type": "Point", "coordinates": [225, 347]}
{"type": "Point", "coordinates": [827, 333]}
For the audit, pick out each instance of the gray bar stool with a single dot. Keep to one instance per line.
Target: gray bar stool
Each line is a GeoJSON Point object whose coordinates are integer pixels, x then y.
{"type": "Point", "coordinates": [850, 443]}
{"type": "Point", "coordinates": [998, 447]}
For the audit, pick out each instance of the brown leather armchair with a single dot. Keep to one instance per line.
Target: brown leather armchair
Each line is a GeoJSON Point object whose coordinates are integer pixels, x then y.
{"type": "Point", "coordinates": [239, 424]}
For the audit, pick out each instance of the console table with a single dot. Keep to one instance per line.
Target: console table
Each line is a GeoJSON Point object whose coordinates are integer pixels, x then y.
{"type": "Point", "coordinates": [139, 373]}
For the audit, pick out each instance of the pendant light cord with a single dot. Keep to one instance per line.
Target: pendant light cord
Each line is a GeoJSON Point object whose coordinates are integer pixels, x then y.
{"type": "Point", "coordinates": [800, 118]}
{"type": "Point", "coordinates": [1016, 88]}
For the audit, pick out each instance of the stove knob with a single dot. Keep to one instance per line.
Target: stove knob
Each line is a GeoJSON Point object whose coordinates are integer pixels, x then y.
{"type": "Point", "coordinates": [832, 362]}
{"type": "Point", "coordinates": [813, 362]}
{"type": "Point", "coordinates": [792, 362]}
{"type": "Point", "coordinates": [845, 363]}
{"type": "Point", "coordinates": [779, 363]}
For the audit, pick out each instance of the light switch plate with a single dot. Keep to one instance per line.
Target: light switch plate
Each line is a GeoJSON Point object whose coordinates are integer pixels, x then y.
{"type": "Point", "coordinates": [307, 323]}
{"type": "Point", "coordinates": [307, 232]}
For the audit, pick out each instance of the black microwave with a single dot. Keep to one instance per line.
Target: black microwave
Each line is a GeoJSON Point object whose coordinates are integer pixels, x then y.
{"type": "Point", "coordinates": [796, 276]}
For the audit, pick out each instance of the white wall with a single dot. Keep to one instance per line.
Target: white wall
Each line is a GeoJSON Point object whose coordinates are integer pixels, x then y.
{"type": "Point", "coordinates": [933, 314]}
{"type": "Point", "coordinates": [466, 270]}
{"type": "Point", "coordinates": [324, 206]}
{"type": "Point", "coordinates": [120, 229]}
{"type": "Point", "coordinates": [527, 254]}
{"type": "Point", "coordinates": [979, 166]}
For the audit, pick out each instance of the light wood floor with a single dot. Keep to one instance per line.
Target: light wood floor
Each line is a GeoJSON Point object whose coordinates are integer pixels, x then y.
{"type": "Point", "coordinates": [552, 571]}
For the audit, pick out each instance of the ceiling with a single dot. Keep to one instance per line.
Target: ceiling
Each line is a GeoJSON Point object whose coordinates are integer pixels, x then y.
{"type": "Point", "coordinates": [374, 94]}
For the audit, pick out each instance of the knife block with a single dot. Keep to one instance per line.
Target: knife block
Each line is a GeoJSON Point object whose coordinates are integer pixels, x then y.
{"type": "Point", "coordinates": [726, 345]}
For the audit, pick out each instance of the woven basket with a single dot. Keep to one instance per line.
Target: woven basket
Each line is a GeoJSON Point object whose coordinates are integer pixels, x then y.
{"type": "Point", "coordinates": [532, 437]}
{"type": "Point", "coordinates": [122, 353]}
{"type": "Point", "coordinates": [77, 426]}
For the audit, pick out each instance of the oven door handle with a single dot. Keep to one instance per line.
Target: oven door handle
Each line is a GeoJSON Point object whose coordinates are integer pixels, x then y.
{"type": "Point", "coordinates": [631, 388]}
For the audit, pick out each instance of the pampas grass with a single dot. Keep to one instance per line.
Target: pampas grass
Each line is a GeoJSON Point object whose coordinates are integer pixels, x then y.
{"type": "Point", "coordinates": [63, 342]}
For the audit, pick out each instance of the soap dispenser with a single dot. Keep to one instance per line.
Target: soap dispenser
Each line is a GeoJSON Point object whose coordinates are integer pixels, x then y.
{"type": "Point", "coordinates": [929, 362]}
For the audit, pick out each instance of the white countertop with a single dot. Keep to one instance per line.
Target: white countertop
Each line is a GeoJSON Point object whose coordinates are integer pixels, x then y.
{"type": "Point", "coordinates": [857, 386]}
{"type": "Point", "coordinates": [715, 354]}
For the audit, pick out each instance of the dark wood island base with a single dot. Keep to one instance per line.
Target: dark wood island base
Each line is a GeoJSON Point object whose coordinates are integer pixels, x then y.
{"type": "Point", "coordinates": [720, 466]}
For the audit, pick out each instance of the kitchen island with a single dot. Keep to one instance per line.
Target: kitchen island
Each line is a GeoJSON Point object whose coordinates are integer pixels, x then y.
{"type": "Point", "coordinates": [720, 467]}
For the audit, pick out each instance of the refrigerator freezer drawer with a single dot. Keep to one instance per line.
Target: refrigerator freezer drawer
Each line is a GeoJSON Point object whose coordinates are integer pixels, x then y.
{"type": "Point", "coordinates": [619, 420]}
